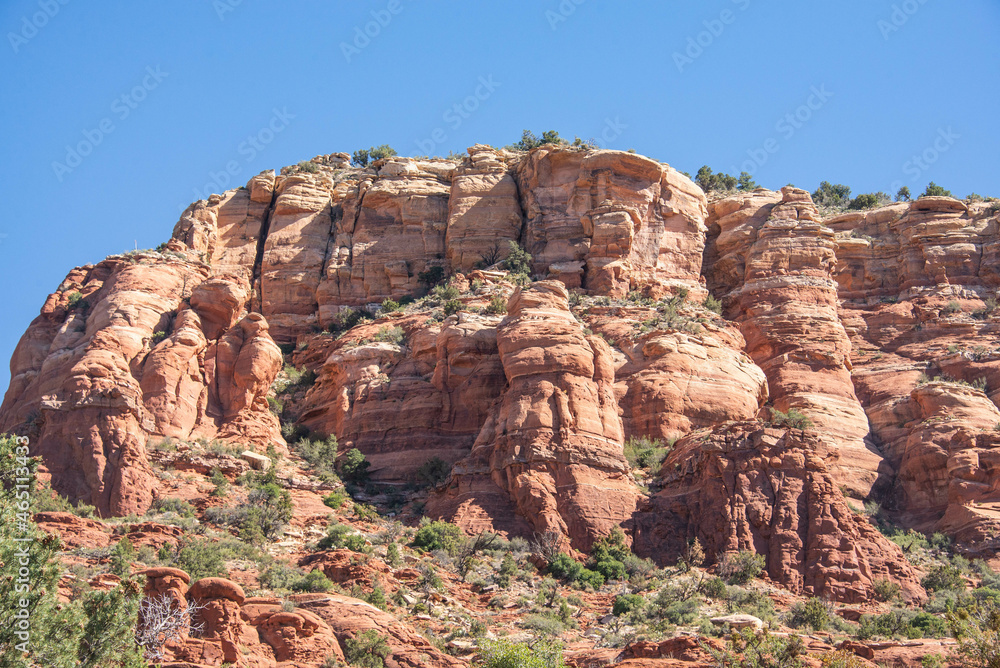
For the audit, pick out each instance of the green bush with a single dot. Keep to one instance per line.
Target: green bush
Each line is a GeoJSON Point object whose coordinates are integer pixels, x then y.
{"type": "Point", "coordinates": [832, 195]}
{"type": "Point", "coordinates": [199, 558]}
{"type": "Point", "coordinates": [626, 603]}
{"type": "Point", "coordinates": [720, 182]}
{"type": "Point", "coordinates": [453, 306]}
{"type": "Point", "coordinates": [589, 578]}
{"type": "Point", "coordinates": [934, 190]}
{"type": "Point", "coordinates": [393, 556]}
{"type": "Point", "coordinates": [308, 166]}
{"type": "Point", "coordinates": [814, 613]}
{"type": "Point", "coordinates": [438, 535]}
{"type": "Point", "coordinates": [172, 505]}
{"type": "Point", "coordinates": [712, 304]}
{"type": "Point", "coordinates": [434, 471]}
{"type": "Point", "coordinates": [321, 456]}
{"type": "Point", "coordinates": [282, 577]}
{"type": "Point", "coordinates": [543, 624]}
{"type": "Point", "coordinates": [793, 419]}
{"type": "Point", "coordinates": [368, 649]}
{"type": "Point", "coordinates": [713, 588]}
{"type": "Point", "coordinates": [741, 568]}
{"type": "Point", "coordinates": [122, 557]}
{"type": "Point", "coordinates": [867, 201]}
{"type": "Point", "coordinates": [645, 453]}
{"type": "Point", "coordinates": [431, 275]}
{"type": "Point", "coordinates": [748, 649]}
{"type": "Point", "coordinates": [353, 466]}
{"type": "Point", "coordinates": [362, 157]}
{"type": "Point", "coordinates": [518, 260]}
{"type": "Point", "coordinates": [497, 305]}
{"type": "Point", "coordinates": [504, 653]}
{"type": "Point", "coordinates": [346, 318]}
{"type": "Point", "coordinates": [335, 499]}
{"type": "Point", "coordinates": [943, 577]}
{"type": "Point", "coordinates": [390, 306]}
{"type": "Point", "coordinates": [529, 140]}
{"type": "Point", "coordinates": [978, 634]}
{"type": "Point", "coordinates": [393, 335]}
{"type": "Point", "coordinates": [608, 555]}
{"type": "Point", "coordinates": [886, 590]}
{"type": "Point", "coordinates": [903, 194]}
{"type": "Point", "coordinates": [506, 572]}
{"type": "Point", "coordinates": [667, 606]}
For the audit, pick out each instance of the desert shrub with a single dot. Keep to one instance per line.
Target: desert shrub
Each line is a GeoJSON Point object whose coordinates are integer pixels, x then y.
{"type": "Point", "coordinates": [793, 419]}
{"type": "Point", "coordinates": [749, 649]}
{"type": "Point", "coordinates": [453, 306]}
{"type": "Point", "coordinates": [741, 568]}
{"type": "Point", "coordinates": [282, 577]}
{"type": "Point", "coordinates": [390, 305]}
{"type": "Point", "coordinates": [198, 558]}
{"type": "Point", "coordinates": [668, 605]}
{"type": "Point", "coordinates": [529, 140]}
{"type": "Point", "coordinates": [868, 201]}
{"type": "Point", "coordinates": [944, 576]}
{"type": "Point", "coordinates": [335, 499]}
{"type": "Point", "coordinates": [835, 195]}
{"type": "Point", "coordinates": [588, 578]}
{"type": "Point", "coordinates": [346, 318]}
{"type": "Point", "coordinates": [713, 588]}
{"type": "Point", "coordinates": [431, 275]}
{"type": "Point", "coordinates": [645, 453]}
{"type": "Point", "coordinates": [626, 603]}
{"type": "Point", "coordinates": [543, 624]}
{"type": "Point", "coordinates": [518, 260]}
{"type": "Point", "coordinates": [505, 653]}
{"type": "Point", "coordinates": [336, 537]}
{"type": "Point", "coordinates": [321, 454]}
{"type": "Point", "coordinates": [977, 631]}
{"type": "Point", "coordinates": [393, 335]}
{"type": "Point", "coordinates": [814, 613]}
{"type": "Point", "coordinates": [362, 157]}
{"type": "Point", "coordinates": [608, 555]}
{"type": "Point", "coordinates": [934, 190]}
{"type": "Point", "coordinates": [712, 304]}
{"type": "Point", "coordinates": [745, 182]}
{"type": "Point", "coordinates": [261, 516]}
{"type": "Point", "coordinates": [172, 505]}
{"type": "Point", "coordinates": [122, 557]}
{"type": "Point", "coordinates": [720, 182]}
{"type": "Point", "coordinates": [497, 305]}
{"type": "Point", "coordinates": [392, 555]}
{"type": "Point", "coordinates": [353, 466]}
{"type": "Point", "coordinates": [308, 166]}
{"type": "Point", "coordinates": [903, 194]}
{"type": "Point", "coordinates": [506, 572]}
{"type": "Point", "coordinates": [886, 590]}
{"type": "Point", "coordinates": [445, 293]}
{"type": "Point", "coordinates": [438, 535]}
{"type": "Point", "coordinates": [434, 471]}
{"type": "Point", "coordinates": [901, 623]}
{"type": "Point", "coordinates": [490, 256]}
{"type": "Point", "coordinates": [368, 649]}
{"type": "Point", "coordinates": [951, 307]}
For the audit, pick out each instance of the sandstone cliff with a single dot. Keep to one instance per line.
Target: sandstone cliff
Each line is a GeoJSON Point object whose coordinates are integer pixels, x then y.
{"type": "Point", "coordinates": [610, 341]}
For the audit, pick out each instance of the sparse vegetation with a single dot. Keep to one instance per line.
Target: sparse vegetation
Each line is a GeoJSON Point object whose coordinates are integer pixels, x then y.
{"type": "Point", "coordinates": [793, 419]}
{"type": "Point", "coordinates": [362, 157]}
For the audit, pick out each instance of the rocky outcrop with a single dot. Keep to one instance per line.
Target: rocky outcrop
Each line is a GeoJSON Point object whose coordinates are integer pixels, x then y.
{"type": "Point", "coordinates": [405, 403]}
{"type": "Point", "coordinates": [553, 444]}
{"type": "Point", "coordinates": [772, 492]}
{"type": "Point", "coordinates": [136, 346]}
{"type": "Point", "coordinates": [771, 259]}
{"type": "Point", "coordinates": [611, 222]}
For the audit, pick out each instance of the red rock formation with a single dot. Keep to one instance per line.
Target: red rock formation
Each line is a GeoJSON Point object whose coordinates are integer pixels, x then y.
{"type": "Point", "coordinates": [611, 221]}
{"type": "Point", "coordinates": [772, 260]}
{"type": "Point", "coordinates": [349, 617]}
{"type": "Point", "coordinates": [555, 428]}
{"type": "Point", "coordinates": [771, 492]}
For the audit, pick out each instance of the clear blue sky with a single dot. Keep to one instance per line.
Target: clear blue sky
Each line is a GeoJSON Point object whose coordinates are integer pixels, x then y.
{"type": "Point", "coordinates": [211, 74]}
